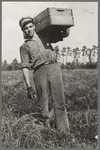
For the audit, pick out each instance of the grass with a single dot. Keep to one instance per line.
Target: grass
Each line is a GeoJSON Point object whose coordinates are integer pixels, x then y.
{"type": "Point", "coordinates": [20, 129]}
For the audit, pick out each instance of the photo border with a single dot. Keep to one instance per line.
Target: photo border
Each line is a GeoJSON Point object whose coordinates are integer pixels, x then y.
{"type": "Point", "coordinates": [98, 61]}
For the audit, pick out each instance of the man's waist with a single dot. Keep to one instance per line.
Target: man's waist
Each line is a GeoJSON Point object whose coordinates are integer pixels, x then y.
{"type": "Point", "coordinates": [50, 62]}
{"type": "Point", "coordinates": [45, 63]}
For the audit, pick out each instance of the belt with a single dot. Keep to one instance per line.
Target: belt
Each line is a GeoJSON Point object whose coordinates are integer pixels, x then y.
{"type": "Point", "coordinates": [50, 62]}
{"type": "Point", "coordinates": [46, 63]}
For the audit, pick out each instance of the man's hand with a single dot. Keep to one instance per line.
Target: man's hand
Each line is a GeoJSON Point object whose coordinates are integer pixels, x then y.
{"type": "Point", "coordinates": [30, 93]}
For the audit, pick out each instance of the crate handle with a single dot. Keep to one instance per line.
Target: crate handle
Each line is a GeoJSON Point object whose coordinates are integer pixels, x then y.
{"type": "Point", "coordinates": [60, 10]}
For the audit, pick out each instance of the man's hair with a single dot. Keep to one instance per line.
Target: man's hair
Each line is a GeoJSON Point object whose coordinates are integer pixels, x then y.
{"type": "Point", "coordinates": [24, 21]}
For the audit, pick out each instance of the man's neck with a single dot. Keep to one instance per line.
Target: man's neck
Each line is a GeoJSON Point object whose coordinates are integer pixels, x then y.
{"type": "Point", "coordinates": [32, 37]}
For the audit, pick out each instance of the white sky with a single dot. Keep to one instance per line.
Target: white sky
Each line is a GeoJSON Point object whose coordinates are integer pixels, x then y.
{"type": "Point", "coordinates": [84, 32]}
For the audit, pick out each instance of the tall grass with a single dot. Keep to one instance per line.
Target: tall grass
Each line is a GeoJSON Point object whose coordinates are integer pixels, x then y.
{"type": "Point", "coordinates": [20, 129]}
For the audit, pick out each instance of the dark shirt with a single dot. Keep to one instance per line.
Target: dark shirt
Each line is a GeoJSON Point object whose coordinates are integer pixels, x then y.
{"type": "Point", "coordinates": [36, 52]}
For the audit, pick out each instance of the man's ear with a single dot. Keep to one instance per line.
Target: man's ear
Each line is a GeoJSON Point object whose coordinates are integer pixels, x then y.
{"type": "Point", "coordinates": [34, 26]}
{"type": "Point", "coordinates": [24, 35]}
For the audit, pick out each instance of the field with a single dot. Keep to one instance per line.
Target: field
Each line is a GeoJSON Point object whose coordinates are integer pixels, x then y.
{"type": "Point", "coordinates": [21, 130]}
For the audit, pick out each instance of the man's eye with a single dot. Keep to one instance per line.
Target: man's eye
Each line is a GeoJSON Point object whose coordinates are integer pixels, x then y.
{"type": "Point", "coordinates": [25, 28]}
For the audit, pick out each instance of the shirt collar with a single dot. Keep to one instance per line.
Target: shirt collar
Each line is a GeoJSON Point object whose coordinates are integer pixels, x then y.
{"type": "Point", "coordinates": [33, 39]}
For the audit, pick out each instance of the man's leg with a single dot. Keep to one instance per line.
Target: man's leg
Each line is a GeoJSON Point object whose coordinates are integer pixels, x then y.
{"type": "Point", "coordinates": [57, 90]}
{"type": "Point", "coordinates": [41, 83]}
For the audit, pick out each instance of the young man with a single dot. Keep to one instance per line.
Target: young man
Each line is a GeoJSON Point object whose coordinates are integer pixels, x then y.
{"type": "Point", "coordinates": [37, 52]}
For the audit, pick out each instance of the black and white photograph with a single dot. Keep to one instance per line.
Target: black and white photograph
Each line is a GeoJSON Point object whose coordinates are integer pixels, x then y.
{"type": "Point", "coordinates": [49, 74]}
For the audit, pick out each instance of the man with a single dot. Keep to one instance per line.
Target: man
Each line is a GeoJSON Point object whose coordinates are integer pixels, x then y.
{"type": "Point", "coordinates": [37, 52]}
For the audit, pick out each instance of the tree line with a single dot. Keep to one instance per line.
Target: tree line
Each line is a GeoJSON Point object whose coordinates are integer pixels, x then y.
{"type": "Point", "coordinates": [63, 54]}
{"type": "Point", "coordinates": [14, 65]}
{"type": "Point", "coordinates": [90, 53]}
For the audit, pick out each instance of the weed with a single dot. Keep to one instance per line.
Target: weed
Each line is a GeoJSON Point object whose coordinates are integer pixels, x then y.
{"type": "Point", "coordinates": [21, 129]}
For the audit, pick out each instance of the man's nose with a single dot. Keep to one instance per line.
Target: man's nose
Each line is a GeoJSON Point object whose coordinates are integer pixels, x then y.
{"type": "Point", "coordinates": [29, 29]}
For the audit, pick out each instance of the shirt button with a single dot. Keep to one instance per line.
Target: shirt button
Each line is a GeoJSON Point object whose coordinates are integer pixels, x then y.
{"type": "Point", "coordinates": [47, 44]}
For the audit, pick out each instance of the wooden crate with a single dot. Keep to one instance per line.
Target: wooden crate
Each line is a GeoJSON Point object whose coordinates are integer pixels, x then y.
{"type": "Point", "coordinates": [55, 22]}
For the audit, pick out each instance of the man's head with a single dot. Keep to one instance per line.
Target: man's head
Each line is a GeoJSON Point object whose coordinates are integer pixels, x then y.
{"type": "Point", "coordinates": [27, 26]}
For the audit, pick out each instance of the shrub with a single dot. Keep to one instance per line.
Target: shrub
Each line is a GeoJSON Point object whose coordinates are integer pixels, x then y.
{"type": "Point", "coordinates": [20, 129]}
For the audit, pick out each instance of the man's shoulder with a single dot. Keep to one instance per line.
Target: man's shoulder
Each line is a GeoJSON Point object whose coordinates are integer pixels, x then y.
{"type": "Point", "coordinates": [24, 46]}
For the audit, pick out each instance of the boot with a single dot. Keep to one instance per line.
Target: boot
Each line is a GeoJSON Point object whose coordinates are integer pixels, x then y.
{"type": "Point", "coordinates": [62, 122]}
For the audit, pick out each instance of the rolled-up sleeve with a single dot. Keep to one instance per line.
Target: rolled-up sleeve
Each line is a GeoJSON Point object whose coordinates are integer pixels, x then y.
{"type": "Point", "coordinates": [24, 57]}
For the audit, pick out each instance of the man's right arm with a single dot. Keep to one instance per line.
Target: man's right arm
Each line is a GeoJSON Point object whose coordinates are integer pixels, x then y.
{"type": "Point", "coordinates": [26, 77]}
{"type": "Point", "coordinates": [24, 55]}
{"type": "Point", "coordinates": [25, 69]}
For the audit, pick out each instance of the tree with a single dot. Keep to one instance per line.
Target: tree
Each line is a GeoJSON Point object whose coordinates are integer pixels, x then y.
{"type": "Point", "coordinates": [63, 53]}
{"type": "Point", "coordinates": [68, 52]}
{"type": "Point", "coordinates": [14, 64]}
{"type": "Point", "coordinates": [57, 52]}
{"type": "Point", "coordinates": [5, 65]}
{"type": "Point", "coordinates": [95, 52]}
{"type": "Point", "coordinates": [76, 54]}
{"type": "Point", "coordinates": [91, 53]}
{"type": "Point", "coordinates": [84, 51]}
{"type": "Point", "coordinates": [9, 67]}
{"type": "Point", "coordinates": [84, 48]}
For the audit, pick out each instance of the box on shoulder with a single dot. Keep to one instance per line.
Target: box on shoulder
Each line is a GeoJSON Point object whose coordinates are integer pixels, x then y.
{"type": "Point", "coordinates": [54, 21]}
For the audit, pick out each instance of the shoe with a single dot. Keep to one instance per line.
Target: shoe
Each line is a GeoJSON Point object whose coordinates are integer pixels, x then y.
{"type": "Point", "coordinates": [47, 115]}
{"type": "Point", "coordinates": [46, 123]}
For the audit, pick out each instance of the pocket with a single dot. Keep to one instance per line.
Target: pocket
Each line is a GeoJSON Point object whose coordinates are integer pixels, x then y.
{"type": "Point", "coordinates": [53, 56]}
{"type": "Point", "coordinates": [50, 55]}
{"type": "Point", "coordinates": [47, 56]}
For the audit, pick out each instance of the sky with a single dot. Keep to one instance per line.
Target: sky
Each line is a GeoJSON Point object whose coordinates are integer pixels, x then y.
{"type": "Point", "coordinates": [84, 31]}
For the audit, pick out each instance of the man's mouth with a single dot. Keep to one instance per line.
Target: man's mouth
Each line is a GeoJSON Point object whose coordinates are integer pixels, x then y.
{"type": "Point", "coordinates": [30, 32]}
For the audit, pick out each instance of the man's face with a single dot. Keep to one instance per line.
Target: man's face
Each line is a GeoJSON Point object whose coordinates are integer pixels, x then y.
{"type": "Point", "coordinates": [29, 29]}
